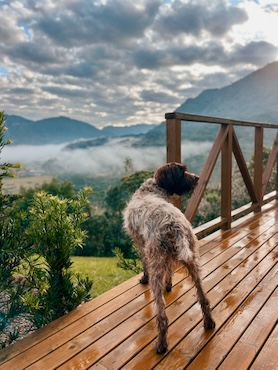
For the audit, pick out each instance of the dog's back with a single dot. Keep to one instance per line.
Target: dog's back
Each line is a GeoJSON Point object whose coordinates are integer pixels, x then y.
{"type": "Point", "coordinates": [150, 218]}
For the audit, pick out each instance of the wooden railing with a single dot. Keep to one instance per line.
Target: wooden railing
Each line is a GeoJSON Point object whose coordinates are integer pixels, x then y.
{"type": "Point", "coordinates": [227, 144]}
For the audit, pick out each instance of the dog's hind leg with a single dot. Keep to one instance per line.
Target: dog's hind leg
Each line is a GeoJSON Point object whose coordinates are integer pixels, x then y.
{"type": "Point", "coordinates": [145, 278]}
{"type": "Point", "coordinates": [157, 276]}
{"type": "Point", "coordinates": [169, 273]}
{"type": "Point", "coordinates": [193, 269]}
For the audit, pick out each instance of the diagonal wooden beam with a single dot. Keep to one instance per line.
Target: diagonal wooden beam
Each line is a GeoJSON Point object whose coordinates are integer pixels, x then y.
{"type": "Point", "coordinates": [270, 164]}
{"type": "Point", "coordinates": [243, 169]}
{"type": "Point", "coordinates": [195, 200]}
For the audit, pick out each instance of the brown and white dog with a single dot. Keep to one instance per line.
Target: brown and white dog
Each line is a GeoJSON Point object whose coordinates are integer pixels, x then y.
{"type": "Point", "coordinates": [164, 236]}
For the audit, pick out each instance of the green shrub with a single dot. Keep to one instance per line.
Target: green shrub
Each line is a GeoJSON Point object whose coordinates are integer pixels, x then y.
{"type": "Point", "coordinates": [55, 231]}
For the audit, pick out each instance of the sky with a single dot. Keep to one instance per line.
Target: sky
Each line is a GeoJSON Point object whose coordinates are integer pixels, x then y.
{"type": "Point", "coordinates": [124, 62]}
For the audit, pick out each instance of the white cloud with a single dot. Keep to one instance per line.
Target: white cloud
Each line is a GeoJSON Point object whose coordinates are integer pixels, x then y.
{"type": "Point", "coordinates": [124, 62]}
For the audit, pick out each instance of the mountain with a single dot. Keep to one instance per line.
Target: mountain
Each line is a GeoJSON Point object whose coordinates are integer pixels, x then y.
{"type": "Point", "coordinates": [113, 131]}
{"type": "Point", "coordinates": [59, 130]}
{"type": "Point", "coordinates": [47, 131]}
{"type": "Point", "coordinates": [253, 98]}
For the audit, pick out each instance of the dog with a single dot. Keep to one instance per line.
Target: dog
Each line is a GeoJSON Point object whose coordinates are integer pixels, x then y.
{"type": "Point", "coordinates": [164, 236]}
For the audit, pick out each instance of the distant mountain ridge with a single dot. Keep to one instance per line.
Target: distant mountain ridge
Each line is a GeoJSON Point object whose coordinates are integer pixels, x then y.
{"type": "Point", "coordinates": [252, 98]}
{"type": "Point", "coordinates": [58, 130]}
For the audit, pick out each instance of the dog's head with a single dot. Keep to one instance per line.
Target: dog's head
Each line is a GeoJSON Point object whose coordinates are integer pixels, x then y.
{"type": "Point", "coordinates": [175, 179]}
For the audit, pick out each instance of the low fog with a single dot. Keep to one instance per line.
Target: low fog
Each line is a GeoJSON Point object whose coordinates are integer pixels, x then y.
{"type": "Point", "coordinates": [98, 160]}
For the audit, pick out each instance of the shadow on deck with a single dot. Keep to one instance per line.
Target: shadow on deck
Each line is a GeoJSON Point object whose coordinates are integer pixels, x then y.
{"type": "Point", "coordinates": [118, 329]}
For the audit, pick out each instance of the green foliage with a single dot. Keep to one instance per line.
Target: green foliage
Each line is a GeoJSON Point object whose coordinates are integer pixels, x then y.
{"type": "Point", "coordinates": [105, 230]}
{"type": "Point", "coordinates": [134, 264]}
{"type": "Point", "coordinates": [240, 194]}
{"type": "Point", "coordinates": [38, 235]}
{"type": "Point", "coordinates": [64, 189]}
{"type": "Point", "coordinates": [5, 167]}
{"type": "Point", "coordinates": [100, 184]}
{"type": "Point", "coordinates": [55, 231]}
{"type": "Point", "coordinates": [13, 247]}
{"type": "Point", "coordinates": [209, 207]}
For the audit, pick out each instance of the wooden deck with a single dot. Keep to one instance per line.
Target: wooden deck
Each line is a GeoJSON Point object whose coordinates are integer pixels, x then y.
{"type": "Point", "coordinates": [118, 329]}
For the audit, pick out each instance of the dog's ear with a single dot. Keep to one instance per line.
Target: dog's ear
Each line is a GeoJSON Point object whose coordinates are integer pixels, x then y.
{"type": "Point", "coordinates": [170, 177]}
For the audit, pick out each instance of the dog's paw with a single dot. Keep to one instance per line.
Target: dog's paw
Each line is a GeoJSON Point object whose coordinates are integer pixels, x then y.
{"type": "Point", "coordinates": [161, 348]}
{"type": "Point", "coordinates": [209, 323]}
{"type": "Point", "coordinates": [168, 287]}
{"type": "Point", "coordinates": [144, 280]}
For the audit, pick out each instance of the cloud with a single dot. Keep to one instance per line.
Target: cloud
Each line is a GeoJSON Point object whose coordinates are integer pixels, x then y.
{"type": "Point", "coordinates": [260, 52]}
{"type": "Point", "coordinates": [126, 62]}
{"type": "Point", "coordinates": [86, 22]}
{"type": "Point", "coordinates": [193, 18]}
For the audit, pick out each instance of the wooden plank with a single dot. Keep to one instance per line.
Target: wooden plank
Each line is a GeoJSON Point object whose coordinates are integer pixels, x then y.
{"type": "Point", "coordinates": [225, 339]}
{"type": "Point", "coordinates": [209, 226]}
{"type": "Point", "coordinates": [234, 122]}
{"type": "Point", "coordinates": [249, 220]}
{"type": "Point", "coordinates": [253, 339]}
{"type": "Point", "coordinates": [268, 358]}
{"type": "Point", "coordinates": [232, 249]}
{"type": "Point", "coordinates": [239, 230]}
{"type": "Point", "coordinates": [241, 213]}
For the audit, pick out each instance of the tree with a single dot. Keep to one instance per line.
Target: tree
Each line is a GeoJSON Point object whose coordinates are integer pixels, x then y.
{"type": "Point", "coordinates": [105, 230]}
{"type": "Point", "coordinates": [55, 230]}
{"type": "Point", "coordinates": [13, 247]}
{"type": "Point", "coordinates": [5, 168]}
{"type": "Point", "coordinates": [63, 189]}
{"type": "Point", "coordinates": [38, 242]}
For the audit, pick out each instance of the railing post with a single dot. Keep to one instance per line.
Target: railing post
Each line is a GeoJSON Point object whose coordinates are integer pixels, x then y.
{"type": "Point", "coordinates": [226, 179]}
{"type": "Point", "coordinates": [173, 135]}
{"type": "Point", "coordinates": [258, 166]}
{"type": "Point", "coordinates": [173, 144]}
{"type": "Point", "coordinates": [276, 178]}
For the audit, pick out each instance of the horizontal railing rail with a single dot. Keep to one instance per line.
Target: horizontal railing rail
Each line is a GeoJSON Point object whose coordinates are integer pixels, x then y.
{"type": "Point", "coordinates": [226, 143]}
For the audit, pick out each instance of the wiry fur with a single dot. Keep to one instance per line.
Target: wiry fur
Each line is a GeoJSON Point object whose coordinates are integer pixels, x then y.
{"type": "Point", "coordinates": [164, 236]}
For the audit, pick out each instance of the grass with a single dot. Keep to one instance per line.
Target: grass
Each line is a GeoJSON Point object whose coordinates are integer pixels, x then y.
{"type": "Point", "coordinates": [13, 185]}
{"type": "Point", "coordinates": [102, 270]}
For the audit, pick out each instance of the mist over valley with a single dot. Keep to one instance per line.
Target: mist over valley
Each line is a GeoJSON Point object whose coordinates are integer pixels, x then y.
{"type": "Point", "coordinates": [106, 159]}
